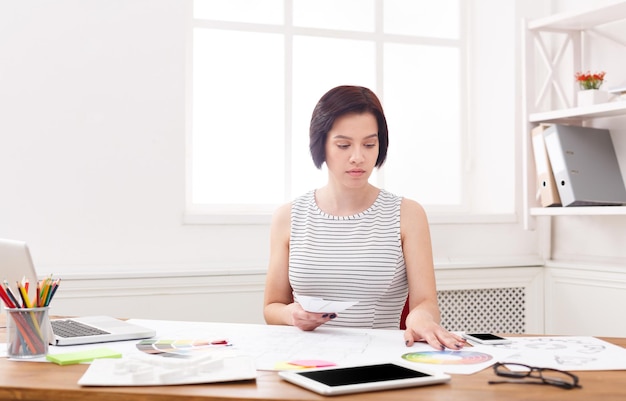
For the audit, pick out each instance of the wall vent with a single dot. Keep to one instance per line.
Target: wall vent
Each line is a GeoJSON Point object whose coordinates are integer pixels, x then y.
{"type": "Point", "coordinates": [496, 310]}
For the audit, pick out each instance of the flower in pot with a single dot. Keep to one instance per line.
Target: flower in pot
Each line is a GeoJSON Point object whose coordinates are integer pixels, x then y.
{"type": "Point", "coordinates": [590, 84]}
{"type": "Point", "coordinates": [590, 81]}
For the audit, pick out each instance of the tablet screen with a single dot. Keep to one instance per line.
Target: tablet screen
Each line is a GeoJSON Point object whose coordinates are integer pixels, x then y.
{"type": "Point", "coordinates": [362, 374]}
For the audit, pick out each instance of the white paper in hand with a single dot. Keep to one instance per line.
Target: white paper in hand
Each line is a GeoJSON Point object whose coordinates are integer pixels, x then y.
{"type": "Point", "coordinates": [320, 305]}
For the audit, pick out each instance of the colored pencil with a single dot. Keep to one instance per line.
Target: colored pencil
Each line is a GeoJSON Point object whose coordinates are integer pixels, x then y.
{"type": "Point", "coordinates": [25, 300]}
{"type": "Point", "coordinates": [12, 296]}
{"type": "Point", "coordinates": [5, 298]}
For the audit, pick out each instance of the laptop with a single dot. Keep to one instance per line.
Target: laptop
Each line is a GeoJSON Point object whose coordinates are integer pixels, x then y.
{"type": "Point", "coordinates": [16, 264]}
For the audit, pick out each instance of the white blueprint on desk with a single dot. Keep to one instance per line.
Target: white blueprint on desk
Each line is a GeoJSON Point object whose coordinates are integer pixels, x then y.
{"type": "Point", "coordinates": [565, 353]}
{"type": "Point", "coordinates": [270, 346]}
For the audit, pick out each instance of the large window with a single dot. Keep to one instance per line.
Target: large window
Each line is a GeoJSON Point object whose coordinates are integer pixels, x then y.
{"type": "Point", "coordinates": [259, 67]}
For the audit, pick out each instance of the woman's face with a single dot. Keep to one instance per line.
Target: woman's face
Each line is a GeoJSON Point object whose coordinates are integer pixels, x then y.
{"type": "Point", "coordinates": [352, 149]}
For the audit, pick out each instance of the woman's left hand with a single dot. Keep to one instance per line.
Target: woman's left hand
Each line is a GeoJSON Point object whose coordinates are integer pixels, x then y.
{"type": "Point", "coordinates": [423, 329]}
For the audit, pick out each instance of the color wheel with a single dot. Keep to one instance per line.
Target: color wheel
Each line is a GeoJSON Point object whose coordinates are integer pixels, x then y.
{"type": "Point", "coordinates": [179, 347]}
{"type": "Point", "coordinates": [447, 357]}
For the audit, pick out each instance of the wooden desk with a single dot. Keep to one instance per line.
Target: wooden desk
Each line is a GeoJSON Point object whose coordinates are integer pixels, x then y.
{"type": "Point", "coordinates": [46, 381]}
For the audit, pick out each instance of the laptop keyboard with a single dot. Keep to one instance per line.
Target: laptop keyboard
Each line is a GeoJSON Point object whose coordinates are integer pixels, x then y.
{"type": "Point", "coordinates": [71, 328]}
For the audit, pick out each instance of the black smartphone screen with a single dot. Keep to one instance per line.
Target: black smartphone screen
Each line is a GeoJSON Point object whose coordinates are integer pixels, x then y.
{"type": "Point", "coordinates": [486, 336]}
{"type": "Point", "coordinates": [362, 374]}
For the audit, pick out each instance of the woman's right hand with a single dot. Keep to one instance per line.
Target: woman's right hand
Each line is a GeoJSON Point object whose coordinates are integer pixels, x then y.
{"type": "Point", "coordinates": [308, 321]}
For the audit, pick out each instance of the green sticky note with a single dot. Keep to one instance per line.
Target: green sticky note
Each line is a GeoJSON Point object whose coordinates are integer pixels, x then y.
{"type": "Point", "coordinates": [70, 358]}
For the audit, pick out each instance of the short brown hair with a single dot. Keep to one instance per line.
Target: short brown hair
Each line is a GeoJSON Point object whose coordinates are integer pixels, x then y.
{"type": "Point", "coordinates": [337, 102]}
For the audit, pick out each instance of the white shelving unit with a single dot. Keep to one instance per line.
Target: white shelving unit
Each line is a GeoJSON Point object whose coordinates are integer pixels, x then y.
{"type": "Point", "coordinates": [577, 261]}
{"type": "Point", "coordinates": [610, 109]}
{"type": "Point", "coordinates": [580, 20]}
{"type": "Point", "coordinates": [572, 27]}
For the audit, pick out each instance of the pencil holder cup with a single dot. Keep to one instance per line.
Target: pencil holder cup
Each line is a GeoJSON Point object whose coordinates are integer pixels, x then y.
{"type": "Point", "coordinates": [28, 330]}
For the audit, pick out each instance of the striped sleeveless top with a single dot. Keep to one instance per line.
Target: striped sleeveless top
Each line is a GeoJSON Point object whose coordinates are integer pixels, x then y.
{"type": "Point", "coordinates": [355, 257]}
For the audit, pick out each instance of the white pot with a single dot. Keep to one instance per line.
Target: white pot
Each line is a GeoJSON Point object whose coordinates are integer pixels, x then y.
{"type": "Point", "coordinates": [592, 96]}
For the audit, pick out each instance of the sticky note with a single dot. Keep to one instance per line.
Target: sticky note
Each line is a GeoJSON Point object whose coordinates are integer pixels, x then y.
{"type": "Point", "coordinates": [70, 358]}
{"type": "Point", "coordinates": [312, 363]}
{"type": "Point", "coordinates": [282, 365]}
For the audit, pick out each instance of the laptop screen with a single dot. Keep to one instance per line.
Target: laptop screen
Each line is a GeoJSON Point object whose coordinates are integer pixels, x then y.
{"type": "Point", "coordinates": [16, 264]}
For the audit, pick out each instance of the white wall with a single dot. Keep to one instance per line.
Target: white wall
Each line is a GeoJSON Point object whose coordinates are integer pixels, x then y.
{"type": "Point", "coordinates": [93, 139]}
{"type": "Point", "coordinates": [92, 149]}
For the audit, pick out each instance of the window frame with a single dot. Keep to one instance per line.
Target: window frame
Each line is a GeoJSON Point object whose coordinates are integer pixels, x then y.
{"type": "Point", "coordinates": [261, 214]}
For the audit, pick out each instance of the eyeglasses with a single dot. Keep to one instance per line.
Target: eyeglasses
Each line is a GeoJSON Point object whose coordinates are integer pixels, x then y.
{"type": "Point", "coordinates": [554, 377]}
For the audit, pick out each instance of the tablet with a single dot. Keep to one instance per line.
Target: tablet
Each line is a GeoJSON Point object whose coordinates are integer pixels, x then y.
{"type": "Point", "coordinates": [362, 378]}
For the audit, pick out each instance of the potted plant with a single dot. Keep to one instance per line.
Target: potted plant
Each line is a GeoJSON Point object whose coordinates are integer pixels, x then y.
{"type": "Point", "coordinates": [589, 84]}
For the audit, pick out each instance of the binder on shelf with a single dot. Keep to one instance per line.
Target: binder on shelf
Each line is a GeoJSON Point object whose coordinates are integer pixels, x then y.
{"type": "Point", "coordinates": [585, 166]}
{"type": "Point", "coordinates": [546, 186]}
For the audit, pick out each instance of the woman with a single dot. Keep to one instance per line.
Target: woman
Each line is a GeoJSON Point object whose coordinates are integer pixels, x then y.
{"type": "Point", "coordinates": [350, 240]}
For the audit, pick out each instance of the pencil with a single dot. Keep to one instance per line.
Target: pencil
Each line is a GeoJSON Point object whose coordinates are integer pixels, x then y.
{"type": "Point", "coordinates": [24, 295]}
{"type": "Point", "coordinates": [51, 293]}
{"type": "Point", "coordinates": [45, 289]}
{"type": "Point", "coordinates": [5, 298]}
{"type": "Point", "coordinates": [12, 296]}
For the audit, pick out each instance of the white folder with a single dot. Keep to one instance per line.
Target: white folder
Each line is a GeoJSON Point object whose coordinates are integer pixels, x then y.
{"type": "Point", "coordinates": [546, 186]}
{"type": "Point", "coordinates": [585, 166]}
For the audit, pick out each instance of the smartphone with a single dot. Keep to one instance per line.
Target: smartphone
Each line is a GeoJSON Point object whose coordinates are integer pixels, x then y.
{"type": "Point", "coordinates": [486, 338]}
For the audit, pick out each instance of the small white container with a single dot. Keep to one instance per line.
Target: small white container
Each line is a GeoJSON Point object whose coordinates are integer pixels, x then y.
{"type": "Point", "coordinates": [592, 96]}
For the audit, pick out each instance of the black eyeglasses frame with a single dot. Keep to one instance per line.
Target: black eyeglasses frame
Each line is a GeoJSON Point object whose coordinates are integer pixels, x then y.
{"type": "Point", "coordinates": [533, 372]}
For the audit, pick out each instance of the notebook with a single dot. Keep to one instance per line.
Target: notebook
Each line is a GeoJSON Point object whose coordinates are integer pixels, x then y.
{"type": "Point", "coordinates": [16, 264]}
